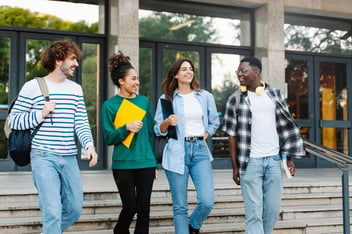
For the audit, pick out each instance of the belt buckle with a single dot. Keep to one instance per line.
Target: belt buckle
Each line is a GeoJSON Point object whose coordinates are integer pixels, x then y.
{"type": "Point", "coordinates": [191, 138]}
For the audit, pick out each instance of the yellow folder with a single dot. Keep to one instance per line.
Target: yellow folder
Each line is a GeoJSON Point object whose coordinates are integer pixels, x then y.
{"type": "Point", "coordinates": [127, 113]}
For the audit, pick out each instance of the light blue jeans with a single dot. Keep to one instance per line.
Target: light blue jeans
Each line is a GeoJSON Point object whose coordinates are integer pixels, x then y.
{"type": "Point", "coordinates": [58, 182]}
{"type": "Point", "coordinates": [261, 189]}
{"type": "Point", "coordinates": [198, 166]}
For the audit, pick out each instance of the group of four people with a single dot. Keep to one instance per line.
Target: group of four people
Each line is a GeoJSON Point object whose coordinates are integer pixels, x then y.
{"type": "Point", "coordinates": [259, 126]}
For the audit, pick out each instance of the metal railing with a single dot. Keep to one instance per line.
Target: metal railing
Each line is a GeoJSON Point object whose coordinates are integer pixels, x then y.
{"type": "Point", "coordinates": [344, 163]}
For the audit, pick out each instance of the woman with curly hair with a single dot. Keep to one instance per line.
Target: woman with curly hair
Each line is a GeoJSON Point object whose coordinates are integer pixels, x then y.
{"type": "Point", "coordinates": [134, 165]}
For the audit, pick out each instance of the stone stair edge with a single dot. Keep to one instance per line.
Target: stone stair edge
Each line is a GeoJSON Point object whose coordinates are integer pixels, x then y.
{"type": "Point", "coordinates": [18, 206]}
{"type": "Point", "coordinates": [167, 214]}
{"type": "Point", "coordinates": [228, 227]}
{"type": "Point", "coordinates": [168, 201]}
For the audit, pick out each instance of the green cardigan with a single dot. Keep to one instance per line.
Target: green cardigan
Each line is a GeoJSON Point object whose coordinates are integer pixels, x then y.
{"type": "Point", "coordinates": [141, 151]}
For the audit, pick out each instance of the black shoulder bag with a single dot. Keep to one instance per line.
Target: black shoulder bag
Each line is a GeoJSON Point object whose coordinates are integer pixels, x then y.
{"type": "Point", "coordinates": [20, 141]}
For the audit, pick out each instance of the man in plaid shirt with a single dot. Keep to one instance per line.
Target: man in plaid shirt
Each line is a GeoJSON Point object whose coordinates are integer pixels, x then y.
{"type": "Point", "coordinates": [260, 129]}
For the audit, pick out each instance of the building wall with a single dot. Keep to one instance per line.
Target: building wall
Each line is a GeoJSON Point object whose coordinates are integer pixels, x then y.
{"type": "Point", "coordinates": [269, 28]}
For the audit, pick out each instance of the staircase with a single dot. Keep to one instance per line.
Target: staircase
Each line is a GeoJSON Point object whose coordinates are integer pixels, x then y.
{"type": "Point", "coordinates": [309, 205]}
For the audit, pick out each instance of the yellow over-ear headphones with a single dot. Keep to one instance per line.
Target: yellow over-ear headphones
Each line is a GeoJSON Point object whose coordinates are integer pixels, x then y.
{"type": "Point", "coordinates": [260, 89]}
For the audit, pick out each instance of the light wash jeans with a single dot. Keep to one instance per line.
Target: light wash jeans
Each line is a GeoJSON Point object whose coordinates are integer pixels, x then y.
{"type": "Point", "coordinates": [261, 189]}
{"type": "Point", "coordinates": [58, 182]}
{"type": "Point", "coordinates": [198, 166]}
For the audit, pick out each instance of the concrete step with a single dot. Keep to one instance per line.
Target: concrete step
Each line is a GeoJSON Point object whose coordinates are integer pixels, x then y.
{"type": "Point", "coordinates": [309, 202]}
{"type": "Point", "coordinates": [289, 215]}
{"type": "Point", "coordinates": [288, 189]}
{"type": "Point", "coordinates": [27, 209]}
{"type": "Point", "coordinates": [314, 226]}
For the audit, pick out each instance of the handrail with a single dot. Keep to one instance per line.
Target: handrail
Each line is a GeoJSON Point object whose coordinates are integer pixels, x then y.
{"type": "Point", "coordinates": [324, 152]}
{"type": "Point", "coordinates": [344, 162]}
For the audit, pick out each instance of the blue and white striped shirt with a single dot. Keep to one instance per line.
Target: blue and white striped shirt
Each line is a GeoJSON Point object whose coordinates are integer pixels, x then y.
{"type": "Point", "coordinates": [69, 118]}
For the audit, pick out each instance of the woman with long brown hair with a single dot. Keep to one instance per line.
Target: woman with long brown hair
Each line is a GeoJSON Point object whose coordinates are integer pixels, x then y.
{"type": "Point", "coordinates": [195, 118]}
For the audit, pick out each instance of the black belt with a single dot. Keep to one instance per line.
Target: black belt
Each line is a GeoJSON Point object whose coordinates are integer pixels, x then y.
{"type": "Point", "coordinates": [194, 138]}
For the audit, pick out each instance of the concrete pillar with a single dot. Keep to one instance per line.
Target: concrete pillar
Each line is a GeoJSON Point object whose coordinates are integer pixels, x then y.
{"type": "Point", "coordinates": [124, 36]}
{"type": "Point", "coordinates": [124, 29]}
{"type": "Point", "coordinates": [269, 42]}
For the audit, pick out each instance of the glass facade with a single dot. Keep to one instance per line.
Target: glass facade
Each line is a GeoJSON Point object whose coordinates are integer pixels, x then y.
{"type": "Point", "coordinates": [318, 35]}
{"type": "Point", "coordinates": [52, 15]}
{"type": "Point", "coordinates": [193, 28]}
{"type": "Point", "coordinates": [215, 38]}
{"type": "Point", "coordinates": [5, 50]}
{"type": "Point", "coordinates": [145, 72]}
{"type": "Point", "coordinates": [296, 78]}
{"type": "Point", "coordinates": [224, 82]}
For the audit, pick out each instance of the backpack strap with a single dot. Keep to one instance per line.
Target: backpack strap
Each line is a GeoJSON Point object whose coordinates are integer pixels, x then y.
{"type": "Point", "coordinates": [43, 88]}
{"type": "Point", "coordinates": [45, 91]}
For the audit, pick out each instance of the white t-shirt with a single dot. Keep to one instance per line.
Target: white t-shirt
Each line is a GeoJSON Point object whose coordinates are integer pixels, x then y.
{"type": "Point", "coordinates": [193, 115]}
{"type": "Point", "coordinates": [264, 136]}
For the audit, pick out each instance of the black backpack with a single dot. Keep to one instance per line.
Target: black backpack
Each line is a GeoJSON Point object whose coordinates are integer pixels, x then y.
{"type": "Point", "coordinates": [20, 141]}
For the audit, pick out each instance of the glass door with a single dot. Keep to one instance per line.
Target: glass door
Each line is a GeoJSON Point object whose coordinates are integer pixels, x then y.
{"type": "Point", "coordinates": [8, 49]}
{"type": "Point", "coordinates": [19, 56]}
{"type": "Point", "coordinates": [299, 77]}
{"type": "Point", "coordinates": [333, 79]}
{"type": "Point", "coordinates": [317, 98]}
{"type": "Point", "coordinates": [224, 83]}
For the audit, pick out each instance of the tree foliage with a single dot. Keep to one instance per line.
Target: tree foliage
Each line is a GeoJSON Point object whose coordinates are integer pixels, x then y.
{"type": "Point", "coordinates": [176, 27]}
{"type": "Point", "coordinates": [23, 18]}
{"type": "Point", "coordinates": [318, 40]}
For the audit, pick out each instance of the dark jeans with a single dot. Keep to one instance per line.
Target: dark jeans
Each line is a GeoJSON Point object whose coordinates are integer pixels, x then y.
{"type": "Point", "coordinates": [135, 188]}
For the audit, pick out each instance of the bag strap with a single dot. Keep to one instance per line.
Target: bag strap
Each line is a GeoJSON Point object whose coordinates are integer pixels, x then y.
{"type": "Point", "coordinates": [45, 91]}
{"type": "Point", "coordinates": [43, 88]}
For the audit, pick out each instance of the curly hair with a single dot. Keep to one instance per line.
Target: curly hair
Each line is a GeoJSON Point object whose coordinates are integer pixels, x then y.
{"type": "Point", "coordinates": [59, 50]}
{"type": "Point", "coordinates": [170, 84]}
{"type": "Point", "coordinates": [118, 65]}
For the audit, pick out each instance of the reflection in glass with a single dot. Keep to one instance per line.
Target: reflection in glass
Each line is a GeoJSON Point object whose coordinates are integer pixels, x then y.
{"type": "Point", "coordinates": [193, 28]}
{"type": "Point", "coordinates": [317, 39]}
{"type": "Point", "coordinates": [333, 103]}
{"type": "Point", "coordinates": [54, 15]}
{"type": "Point", "coordinates": [33, 50]}
{"type": "Point", "coordinates": [333, 92]}
{"type": "Point", "coordinates": [317, 34]}
{"type": "Point", "coordinates": [5, 43]}
{"type": "Point", "coordinates": [145, 72]}
{"type": "Point", "coordinates": [3, 143]}
{"type": "Point", "coordinates": [223, 84]}
{"type": "Point", "coordinates": [335, 138]}
{"type": "Point", "coordinates": [296, 78]}
{"type": "Point", "coordinates": [223, 79]}
{"type": "Point", "coordinates": [4, 70]}
{"type": "Point", "coordinates": [90, 83]}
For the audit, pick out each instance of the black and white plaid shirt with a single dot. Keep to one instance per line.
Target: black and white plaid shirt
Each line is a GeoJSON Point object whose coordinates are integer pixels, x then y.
{"type": "Point", "coordinates": [238, 122]}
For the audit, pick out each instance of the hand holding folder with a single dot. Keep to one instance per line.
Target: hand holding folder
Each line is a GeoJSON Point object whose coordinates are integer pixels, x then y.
{"type": "Point", "coordinates": [166, 106]}
{"type": "Point", "coordinates": [127, 113]}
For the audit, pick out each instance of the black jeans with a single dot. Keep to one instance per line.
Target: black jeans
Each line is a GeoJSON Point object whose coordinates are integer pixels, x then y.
{"type": "Point", "coordinates": [135, 188]}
